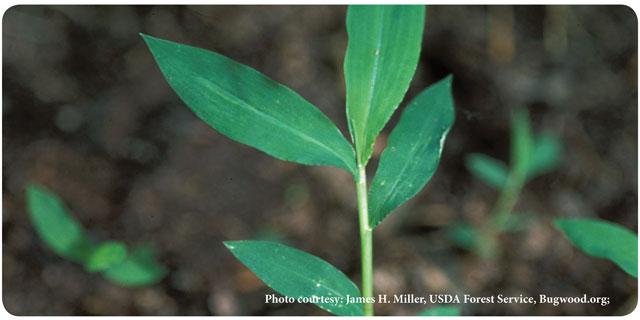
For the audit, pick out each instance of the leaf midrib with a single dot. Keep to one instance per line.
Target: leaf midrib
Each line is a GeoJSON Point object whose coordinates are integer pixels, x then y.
{"type": "Point", "coordinates": [374, 79]}
{"type": "Point", "coordinates": [395, 183]}
{"type": "Point", "coordinates": [224, 94]}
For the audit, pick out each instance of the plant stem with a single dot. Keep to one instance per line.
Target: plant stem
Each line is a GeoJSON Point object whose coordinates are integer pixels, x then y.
{"type": "Point", "coordinates": [521, 150]}
{"type": "Point", "coordinates": [508, 198]}
{"type": "Point", "coordinates": [366, 240]}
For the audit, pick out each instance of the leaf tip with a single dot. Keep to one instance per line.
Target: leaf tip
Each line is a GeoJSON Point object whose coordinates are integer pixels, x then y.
{"type": "Point", "coordinates": [152, 42]}
{"type": "Point", "coordinates": [231, 245]}
{"type": "Point", "coordinates": [35, 192]}
{"type": "Point", "coordinates": [448, 79]}
{"type": "Point", "coordinates": [148, 39]}
{"type": "Point", "coordinates": [33, 187]}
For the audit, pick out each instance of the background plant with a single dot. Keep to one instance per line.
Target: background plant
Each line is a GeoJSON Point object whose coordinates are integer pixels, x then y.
{"type": "Point", "coordinates": [67, 238]}
{"type": "Point", "coordinates": [531, 156]}
{"type": "Point", "coordinates": [246, 106]}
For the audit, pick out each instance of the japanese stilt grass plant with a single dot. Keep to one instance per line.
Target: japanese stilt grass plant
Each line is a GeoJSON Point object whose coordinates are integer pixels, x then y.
{"type": "Point", "coordinates": [603, 239]}
{"type": "Point", "coordinates": [246, 106]}
{"type": "Point", "coordinates": [531, 156]}
{"type": "Point", "coordinates": [67, 238]}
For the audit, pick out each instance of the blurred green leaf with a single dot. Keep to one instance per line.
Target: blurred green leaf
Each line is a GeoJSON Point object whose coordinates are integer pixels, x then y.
{"type": "Point", "coordinates": [603, 239]}
{"type": "Point", "coordinates": [67, 238]}
{"type": "Point", "coordinates": [140, 268]}
{"type": "Point", "coordinates": [295, 273]}
{"type": "Point", "coordinates": [106, 255]}
{"type": "Point", "coordinates": [413, 150]}
{"type": "Point", "coordinates": [382, 56]}
{"type": "Point", "coordinates": [463, 235]}
{"type": "Point", "coordinates": [445, 311]}
{"type": "Point", "coordinates": [521, 144]}
{"type": "Point", "coordinates": [473, 239]}
{"type": "Point", "coordinates": [250, 108]}
{"type": "Point", "coordinates": [545, 156]}
{"type": "Point", "coordinates": [530, 157]}
{"type": "Point", "coordinates": [491, 171]}
{"type": "Point", "coordinates": [60, 231]}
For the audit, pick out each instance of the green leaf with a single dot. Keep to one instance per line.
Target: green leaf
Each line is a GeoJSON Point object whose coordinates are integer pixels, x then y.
{"type": "Point", "coordinates": [106, 255]}
{"type": "Point", "coordinates": [295, 273]}
{"type": "Point", "coordinates": [603, 239]}
{"type": "Point", "coordinates": [545, 156]}
{"type": "Point", "coordinates": [521, 145]}
{"type": "Point", "coordinates": [140, 268]}
{"type": "Point", "coordinates": [250, 108]}
{"type": "Point", "coordinates": [441, 312]}
{"type": "Point", "coordinates": [413, 150]}
{"type": "Point", "coordinates": [471, 238]}
{"type": "Point", "coordinates": [382, 56]}
{"type": "Point", "coordinates": [463, 235]}
{"type": "Point", "coordinates": [60, 231]}
{"type": "Point", "coordinates": [491, 171]}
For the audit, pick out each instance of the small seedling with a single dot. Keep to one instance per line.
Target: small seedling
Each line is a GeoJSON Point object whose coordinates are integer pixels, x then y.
{"type": "Point", "coordinates": [603, 239]}
{"type": "Point", "coordinates": [66, 237]}
{"type": "Point", "coordinates": [531, 156]}
{"type": "Point", "coordinates": [246, 106]}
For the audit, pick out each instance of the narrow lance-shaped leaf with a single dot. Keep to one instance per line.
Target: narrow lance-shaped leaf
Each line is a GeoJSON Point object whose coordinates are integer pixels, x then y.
{"type": "Point", "coordinates": [413, 150]}
{"type": "Point", "coordinates": [491, 171]}
{"type": "Point", "coordinates": [382, 55]}
{"type": "Point", "coordinates": [59, 230]}
{"type": "Point", "coordinates": [295, 273]}
{"type": "Point", "coordinates": [140, 268]}
{"type": "Point", "coordinates": [603, 239]}
{"type": "Point", "coordinates": [441, 311]}
{"type": "Point", "coordinates": [250, 108]}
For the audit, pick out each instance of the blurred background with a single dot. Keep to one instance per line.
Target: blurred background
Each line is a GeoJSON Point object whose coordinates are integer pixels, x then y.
{"type": "Point", "coordinates": [87, 113]}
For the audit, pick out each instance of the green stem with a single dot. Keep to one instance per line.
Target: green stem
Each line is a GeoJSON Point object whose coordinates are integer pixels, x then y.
{"type": "Point", "coordinates": [507, 201]}
{"type": "Point", "coordinates": [366, 241]}
{"type": "Point", "coordinates": [490, 231]}
{"type": "Point", "coordinates": [521, 149]}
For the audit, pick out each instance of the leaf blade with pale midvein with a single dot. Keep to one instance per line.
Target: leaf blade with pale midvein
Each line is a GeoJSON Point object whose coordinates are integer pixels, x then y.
{"type": "Point", "coordinates": [295, 273]}
{"type": "Point", "coordinates": [382, 56]}
{"type": "Point", "coordinates": [246, 106]}
{"type": "Point", "coordinates": [413, 150]}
